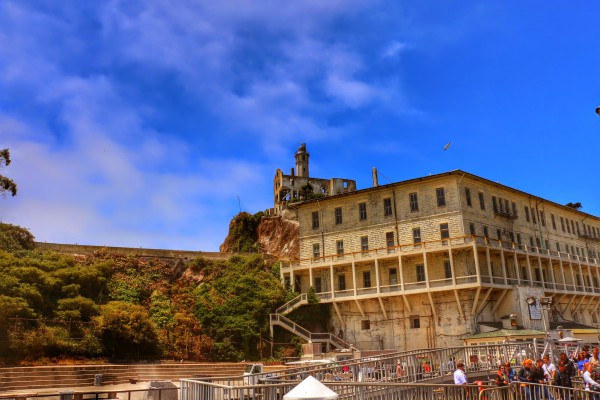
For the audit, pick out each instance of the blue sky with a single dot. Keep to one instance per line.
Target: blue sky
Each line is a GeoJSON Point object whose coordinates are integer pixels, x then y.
{"type": "Point", "coordinates": [139, 123]}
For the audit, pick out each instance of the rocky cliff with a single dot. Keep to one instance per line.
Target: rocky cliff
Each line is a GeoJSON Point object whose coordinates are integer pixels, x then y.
{"type": "Point", "coordinates": [274, 236]}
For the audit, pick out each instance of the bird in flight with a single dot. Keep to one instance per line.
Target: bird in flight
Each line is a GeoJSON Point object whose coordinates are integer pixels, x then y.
{"type": "Point", "coordinates": [447, 146]}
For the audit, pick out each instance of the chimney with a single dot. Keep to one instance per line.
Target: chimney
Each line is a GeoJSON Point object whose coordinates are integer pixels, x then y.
{"type": "Point", "coordinates": [292, 172]}
{"type": "Point", "coordinates": [375, 182]}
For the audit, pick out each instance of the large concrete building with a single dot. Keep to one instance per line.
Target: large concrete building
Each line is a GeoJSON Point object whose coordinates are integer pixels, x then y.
{"type": "Point", "coordinates": [429, 261]}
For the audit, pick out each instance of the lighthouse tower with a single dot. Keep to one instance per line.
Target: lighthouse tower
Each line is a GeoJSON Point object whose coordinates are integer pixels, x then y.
{"type": "Point", "coordinates": [302, 161]}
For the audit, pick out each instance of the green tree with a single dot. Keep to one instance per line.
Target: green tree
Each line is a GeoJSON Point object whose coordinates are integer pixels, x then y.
{"type": "Point", "coordinates": [7, 185]}
{"type": "Point", "coordinates": [234, 303]}
{"type": "Point", "coordinates": [78, 308]}
{"type": "Point", "coordinates": [243, 233]}
{"type": "Point", "coordinates": [126, 330]}
{"type": "Point", "coordinates": [14, 238]}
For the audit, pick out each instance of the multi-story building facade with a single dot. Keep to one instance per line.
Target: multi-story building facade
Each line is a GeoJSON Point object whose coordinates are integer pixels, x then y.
{"type": "Point", "coordinates": [422, 263]}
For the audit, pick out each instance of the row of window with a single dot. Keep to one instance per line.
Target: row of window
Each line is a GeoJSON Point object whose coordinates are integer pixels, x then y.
{"type": "Point", "coordinates": [413, 199]}
{"type": "Point", "coordinates": [389, 241]}
{"type": "Point", "coordinates": [392, 277]}
{"type": "Point", "coordinates": [501, 235]}
{"type": "Point", "coordinates": [509, 236]}
{"type": "Point", "coordinates": [420, 275]}
{"type": "Point", "coordinates": [500, 206]}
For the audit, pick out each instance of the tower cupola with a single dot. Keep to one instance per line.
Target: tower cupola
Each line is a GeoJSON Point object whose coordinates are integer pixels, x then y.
{"type": "Point", "coordinates": [302, 161]}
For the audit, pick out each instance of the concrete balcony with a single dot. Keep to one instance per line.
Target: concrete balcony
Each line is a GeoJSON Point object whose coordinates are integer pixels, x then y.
{"type": "Point", "coordinates": [516, 264]}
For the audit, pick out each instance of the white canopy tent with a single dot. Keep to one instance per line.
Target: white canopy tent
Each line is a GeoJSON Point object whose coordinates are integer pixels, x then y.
{"type": "Point", "coordinates": [311, 389]}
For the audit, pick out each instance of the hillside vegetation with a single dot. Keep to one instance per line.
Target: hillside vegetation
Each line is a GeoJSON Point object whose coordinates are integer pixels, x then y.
{"type": "Point", "coordinates": [55, 306]}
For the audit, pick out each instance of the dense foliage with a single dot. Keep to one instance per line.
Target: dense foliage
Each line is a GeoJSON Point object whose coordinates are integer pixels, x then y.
{"type": "Point", "coordinates": [243, 233]}
{"type": "Point", "coordinates": [234, 306]}
{"type": "Point", "coordinates": [123, 307]}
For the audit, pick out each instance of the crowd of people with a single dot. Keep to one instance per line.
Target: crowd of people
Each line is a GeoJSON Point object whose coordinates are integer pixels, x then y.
{"type": "Point", "coordinates": [534, 377]}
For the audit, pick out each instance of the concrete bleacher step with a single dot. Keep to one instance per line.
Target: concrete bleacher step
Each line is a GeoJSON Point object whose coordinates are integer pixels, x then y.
{"type": "Point", "coordinates": [18, 378]}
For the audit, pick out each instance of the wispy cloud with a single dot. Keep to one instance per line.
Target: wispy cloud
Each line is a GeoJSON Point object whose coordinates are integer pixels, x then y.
{"type": "Point", "coordinates": [92, 92]}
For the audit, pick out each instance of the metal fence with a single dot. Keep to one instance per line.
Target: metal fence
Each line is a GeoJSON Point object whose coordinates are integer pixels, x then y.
{"type": "Point", "coordinates": [415, 366]}
{"type": "Point", "coordinates": [199, 390]}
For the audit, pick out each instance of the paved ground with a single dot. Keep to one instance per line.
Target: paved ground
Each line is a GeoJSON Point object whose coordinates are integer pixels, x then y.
{"type": "Point", "coordinates": [122, 390]}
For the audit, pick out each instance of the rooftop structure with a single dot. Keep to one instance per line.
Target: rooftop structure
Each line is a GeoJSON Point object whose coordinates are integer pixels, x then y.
{"type": "Point", "coordinates": [300, 186]}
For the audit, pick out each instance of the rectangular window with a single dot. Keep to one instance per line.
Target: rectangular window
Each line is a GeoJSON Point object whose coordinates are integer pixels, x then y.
{"type": "Point", "coordinates": [542, 218]}
{"type": "Point", "coordinates": [562, 223]}
{"type": "Point", "coordinates": [495, 204]}
{"type": "Point", "coordinates": [318, 288]}
{"type": "Point", "coordinates": [568, 227]}
{"type": "Point", "coordinates": [366, 279]}
{"type": "Point", "coordinates": [558, 247]}
{"type": "Point", "coordinates": [553, 221]}
{"type": "Point", "coordinates": [441, 197]}
{"type": "Point", "coordinates": [472, 228]}
{"type": "Point", "coordinates": [365, 325]}
{"type": "Point", "coordinates": [444, 231]}
{"type": "Point", "coordinates": [387, 207]}
{"type": "Point", "coordinates": [393, 275]}
{"type": "Point", "coordinates": [499, 234]}
{"type": "Point", "coordinates": [338, 215]}
{"type": "Point", "coordinates": [533, 213]}
{"type": "Point", "coordinates": [315, 219]}
{"type": "Point", "coordinates": [362, 211]}
{"type": "Point", "coordinates": [339, 247]}
{"type": "Point", "coordinates": [420, 273]}
{"type": "Point", "coordinates": [481, 201]}
{"type": "Point", "coordinates": [531, 243]}
{"type": "Point", "coordinates": [526, 213]}
{"type": "Point", "coordinates": [447, 269]}
{"type": "Point", "coordinates": [416, 235]}
{"type": "Point", "coordinates": [468, 197]}
{"type": "Point", "coordinates": [547, 243]}
{"type": "Point", "coordinates": [519, 238]}
{"type": "Point", "coordinates": [514, 209]}
{"type": "Point", "coordinates": [502, 210]}
{"type": "Point", "coordinates": [316, 250]}
{"type": "Point", "coordinates": [415, 322]}
{"type": "Point", "coordinates": [364, 243]}
{"type": "Point", "coordinates": [572, 227]}
{"type": "Point", "coordinates": [389, 239]}
{"type": "Point", "coordinates": [414, 202]}
{"type": "Point", "coordinates": [485, 232]}
{"type": "Point", "coordinates": [577, 226]}
{"type": "Point", "coordinates": [341, 282]}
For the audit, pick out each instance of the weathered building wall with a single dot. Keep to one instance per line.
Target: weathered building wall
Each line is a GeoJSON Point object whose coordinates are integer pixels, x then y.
{"type": "Point", "coordinates": [522, 240]}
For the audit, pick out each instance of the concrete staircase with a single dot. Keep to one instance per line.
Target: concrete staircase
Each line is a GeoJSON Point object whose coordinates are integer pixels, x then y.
{"type": "Point", "coordinates": [329, 339]}
{"type": "Point", "coordinates": [17, 378]}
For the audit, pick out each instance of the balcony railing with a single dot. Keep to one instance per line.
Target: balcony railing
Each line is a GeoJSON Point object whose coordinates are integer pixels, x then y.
{"type": "Point", "coordinates": [441, 244]}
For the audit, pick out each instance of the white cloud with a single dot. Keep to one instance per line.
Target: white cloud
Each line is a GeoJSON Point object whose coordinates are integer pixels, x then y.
{"type": "Point", "coordinates": [394, 49]}
{"type": "Point", "coordinates": [92, 168]}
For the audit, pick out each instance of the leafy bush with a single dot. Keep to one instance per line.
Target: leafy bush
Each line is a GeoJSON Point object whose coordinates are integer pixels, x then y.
{"type": "Point", "coordinates": [14, 238]}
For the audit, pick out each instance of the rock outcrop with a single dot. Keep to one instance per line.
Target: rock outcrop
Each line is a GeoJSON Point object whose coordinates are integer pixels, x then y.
{"type": "Point", "coordinates": [272, 236]}
{"type": "Point", "coordinates": [279, 237]}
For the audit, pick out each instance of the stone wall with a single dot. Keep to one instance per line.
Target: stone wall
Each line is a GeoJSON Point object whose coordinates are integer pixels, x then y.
{"type": "Point", "coordinates": [90, 249]}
